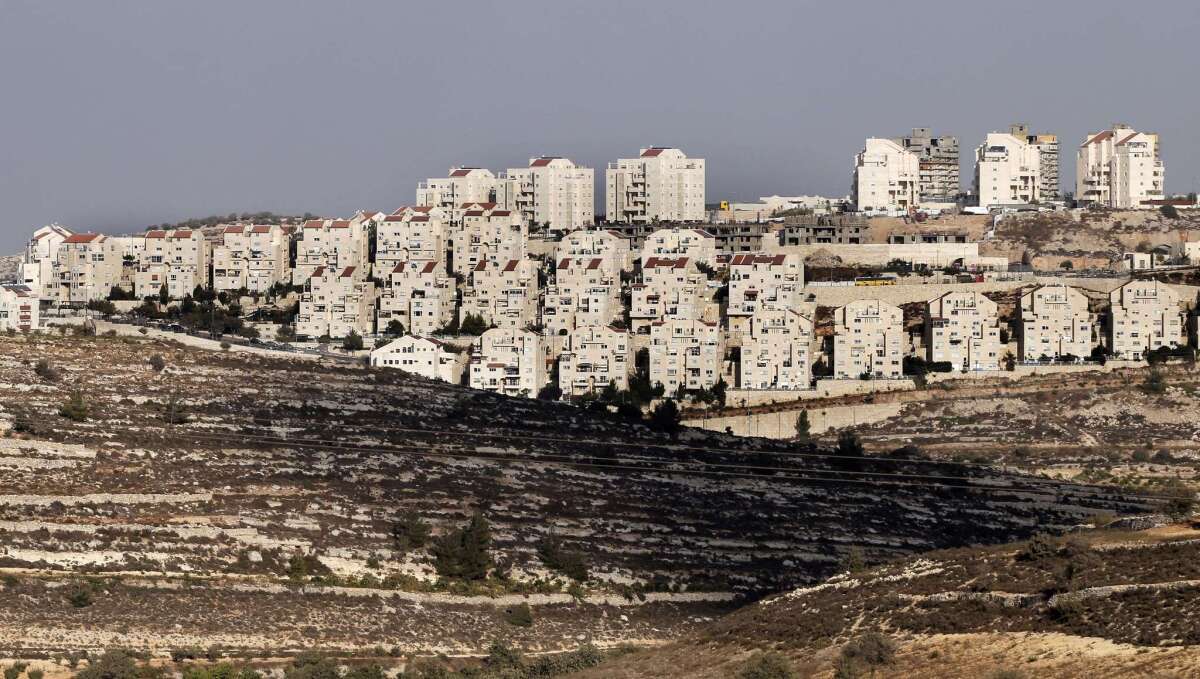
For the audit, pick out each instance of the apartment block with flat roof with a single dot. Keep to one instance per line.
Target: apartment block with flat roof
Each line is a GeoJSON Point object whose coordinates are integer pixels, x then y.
{"type": "Point", "coordinates": [509, 361]}
{"type": "Point", "coordinates": [1053, 321]}
{"type": "Point", "coordinates": [336, 303]}
{"type": "Point", "coordinates": [661, 184]}
{"type": "Point", "coordinates": [887, 178]}
{"type": "Point", "coordinates": [777, 351]}
{"type": "Point", "coordinates": [937, 159]}
{"type": "Point", "coordinates": [762, 281]}
{"type": "Point", "coordinates": [1119, 168]}
{"type": "Point", "coordinates": [592, 357]}
{"type": "Point", "coordinates": [1144, 316]}
{"type": "Point", "coordinates": [552, 192]}
{"type": "Point", "coordinates": [19, 308]}
{"type": "Point", "coordinates": [504, 295]}
{"type": "Point", "coordinates": [1008, 171]}
{"type": "Point", "coordinates": [460, 185]}
{"type": "Point", "coordinates": [685, 354]}
{"type": "Point", "coordinates": [424, 356]}
{"type": "Point", "coordinates": [420, 296]}
{"type": "Point", "coordinates": [868, 339]}
{"type": "Point", "coordinates": [963, 329]}
{"type": "Point", "coordinates": [1048, 157]}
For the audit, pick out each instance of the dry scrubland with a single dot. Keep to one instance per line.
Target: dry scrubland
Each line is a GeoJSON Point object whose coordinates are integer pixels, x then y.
{"type": "Point", "coordinates": [234, 527]}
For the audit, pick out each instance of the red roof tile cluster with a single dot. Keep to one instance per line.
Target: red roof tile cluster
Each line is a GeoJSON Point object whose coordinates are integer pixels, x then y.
{"type": "Point", "coordinates": [665, 262]}
{"type": "Point", "coordinates": [83, 238]}
{"type": "Point", "coordinates": [750, 260]}
{"type": "Point", "coordinates": [543, 161]}
{"type": "Point", "coordinates": [157, 233]}
{"type": "Point", "coordinates": [653, 151]}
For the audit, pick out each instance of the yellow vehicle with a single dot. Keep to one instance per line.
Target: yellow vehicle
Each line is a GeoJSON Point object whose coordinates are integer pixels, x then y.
{"type": "Point", "coordinates": [875, 280]}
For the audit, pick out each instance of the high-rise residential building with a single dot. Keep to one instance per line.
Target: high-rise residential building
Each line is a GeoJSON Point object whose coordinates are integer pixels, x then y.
{"type": "Point", "coordinates": [552, 193]}
{"type": "Point", "coordinates": [37, 263]}
{"type": "Point", "coordinates": [1048, 158]}
{"type": "Point", "coordinates": [1119, 168]}
{"type": "Point", "coordinates": [868, 339]}
{"type": "Point", "coordinates": [777, 351]}
{"type": "Point", "coordinates": [938, 161]}
{"type": "Point", "coordinates": [661, 184]}
{"type": "Point", "coordinates": [503, 295]}
{"type": "Point", "coordinates": [1053, 321]}
{"type": "Point", "coordinates": [509, 361]}
{"type": "Point", "coordinates": [685, 354]}
{"type": "Point", "coordinates": [963, 329]}
{"type": "Point", "coordinates": [461, 185]}
{"type": "Point", "coordinates": [484, 232]}
{"type": "Point", "coordinates": [592, 357]}
{"type": "Point", "coordinates": [886, 178]}
{"type": "Point", "coordinates": [254, 257]}
{"type": "Point", "coordinates": [410, 234]}
{"type": "Point", "coordinates": [1007, 171]}
{"type": "Point", "coordinates": [1144, 316]}
{"type": "Point", "coordinates": [762, 281]}
{"type": "Point", "coordinates": [334, 244]}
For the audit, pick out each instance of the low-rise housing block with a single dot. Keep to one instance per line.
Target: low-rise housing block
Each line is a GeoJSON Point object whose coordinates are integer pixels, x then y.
{"type": "Point", "coordinates": [509, 361]}
{"type": "Point", "coordinates": [868, 339]}
{"type": "Point", "coordinates": [1053, 321]}
{"type": "Point", "coordinates": [963, 329]}
{"type": "Point", "coordinates": [592, 357]}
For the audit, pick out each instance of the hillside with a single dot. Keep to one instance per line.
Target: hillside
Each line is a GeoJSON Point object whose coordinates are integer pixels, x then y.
{"type": "Point", "coordinates": [251, 501]}
{"type": "Point", "coordinates": [9, 266]}
{"type": "Point", "coordinates": [1103, 603]}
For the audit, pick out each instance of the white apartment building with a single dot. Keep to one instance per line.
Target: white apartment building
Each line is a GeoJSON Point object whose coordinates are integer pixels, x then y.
{"type": "Point", "coordinates": [1119, 168]}
{"type": "Point", "coordinates": [1054, 321]}
{"type": "Point", "coordinates": [1048, 152]}
{"type": "Point", "coordinates": [592, 357]}
{"type": "Point", "coordinates": [762, 281]}
{"type": "Point", "coordinates": [504, 295]}
{"type": "Point", "coordinates": [422, 356]}
{"type": "Point", "coordinates": [670, 288]}
{"type": "Point", "coordinates": [1008, 170]}
{"type": "Point", "coordinates": [777, 351]}
{"type": "Point", "coordinates": [886, 178]}
{"type": "Point", "coordinates": [1144, 316]}
{"type": "Point", "coordinates": [697, 245]}
{"type": "Point", "coordinates": [660, 185]}
{"type": "Point", "coordinates": [610, 245]}
{"type": "Point", "coordinates": [37, 262]}
{"type": "Point", "coordinates": [963, 329]}
{"type": "Point", "coordinates": [461, 185]}
{"type": "Point", "coordinates": [335, 244]}
{"type": "Point", "coordinates": [336, 303]}
{"type": "Point", "coordinates": [685, 354]}
{"type": "Point", "coordinates": [552, 192]}
{"type": "Point", "coordinates": [483, 232]}
{"type": "Point", "coordinates": [509, 361]}
{"type": "Point", "coordinates": [178, 259]}
{"type": "Point", "coordinates": [420, 295]}
{"type": "Point", "coordinates": [19, 308]}
{"type": "Point", "coordinates": [88, 266]}
{"type": "Point", "coordinates": [410, 234]}
{"type": "Point", "coordinates": [868, 339]}
{"type": "Point", "coordinates": [586, 292]}
{"type": "Point", "coordinates": [251, 256]}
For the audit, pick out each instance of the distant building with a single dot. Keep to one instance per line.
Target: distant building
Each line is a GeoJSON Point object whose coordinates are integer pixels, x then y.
{"type": "Point", "coordinates": [509, 361]}
{"type": "Point", "coordinates": [461, 185]}
{"type": "Point", "coordinates": [334, 244]}
{"type": "Point", "coordinates": [484, 232]}
{"type": "Point", "coordinates": [924, 237]}
{"type": "Point", "coordinates": [1008, 171]}
{"type": "Point", "coordinates": [1145, 315]}
{"type": "Point", "coordinates": [177, 259]}
{"type": "Point", "coordinates": [422, 356]}
{"type": "Point", "coordinates": [835, 230]}
{"type": "Point", "coordinates": [586, 292]}
{"type": "Point", "coordinates": [38, 261]}
{"type": "Point", "coordinates": [685, 353]}
{"type": "Point", "coordinates": [336, 303]}
{"type": "Point", "coordinates": [410, 234]}
{"type": "Point", "coordinates": [963, 329]}
{"type": "Point", "coordinates": [938, 165]}
{"type": "Point", "coordinates": [1048, 159]}
{"type": "Point", "coordinates": [592, 357]}
{"type": "Point", "coordinates": [886, 178]}
{"type": "Point", "coordinates": [87, 267]}
{"type": "Point", "coordinates": [420, 296]}
{"type": "Point", "coordinates": [504, 295]}
{"type": "Point", "coordinates": [670, 288]}
{"type": "Point", "coordinates": [661, 184]}
{"type": "Point", "coordinates": [609, 244]}
{"type": "Point", "coordinates": [551, 192]}
{"type": "Point", "coordinates": [776, 353]}
{"type": "Point", "coordinates": [868, 339]}
{"type": "Point", "coordinates": [762, 281]}
{"type": "Point", "coordinates": [1119, 168]}
{"type": "Point", "coordinates": [19, 308]}
{"type": "Point", "coordinates": [1053, 321]}
{"type": "Point", "coordinates": [696, 245]}
{"type": "Point", "coordinates": [254, 257]}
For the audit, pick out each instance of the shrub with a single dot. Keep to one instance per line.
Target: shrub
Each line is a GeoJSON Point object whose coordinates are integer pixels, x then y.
{"type": "Point", "coordinates": [44, 370]}
{"type": "Point", "coordinates": [35, 674]}
{"type": "Point", "coordinates": [465, 553]}
{"type": "Point", "coordinates": [472, 325]}
{"type": "Point", "coordinates": [849, 444]}
{"type": "Point", "coordinates": [13, 671]}
{"type": "Point", "coordinates": [225, 346]}
{"type": "Point", "coordinates": [519, 616]}
{"type": "Point", "coordinates": [1040, 547]}
{"type": "Point", "coordinates": [75, 408]}
{"type": "Point", "coordinates": [158, 363]}
{"type": "Point", "coordinates": [117, 664]}
{"type": "Point", "coordinates": [1169, 211]}
{"type": "Point", "coordinates": [803, 427]}
{"type": "Point", "coordinates": [352, 342]}
{"type": "Point", "coordinates": [768, 665]}
{"type": "Point", "coordinates": [1007, 674]}
{"type": "Point", "coordinates": [410, 532]}
{"type": "Point", "coordinates": [571, 564]}
{"type": "Point", "coordinates": [286, 333]}
{"type": "Point", "coordinates": [869, 651]}
{"type": "Point", "coordinates": [1155, 382]}
{"type": "Point", "coordinates": [79, 594]}
{"type": "Point", "coordinates": [665, 417]}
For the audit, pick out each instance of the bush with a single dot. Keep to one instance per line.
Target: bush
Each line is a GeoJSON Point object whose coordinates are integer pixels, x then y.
{"type": "Point", "coordinates": [44, 370]}
{"type": "Point", "coordinates": [75, 408]}
{"type": "Point", "coordinates": [158, 363]}
{"type": "Point", "coordinates": [768, 665]}
{"type": "Point", "coordinates": [465, 554]}
{"type": "Point", "coordinates": [79, 594]}
{"type": "Point", "coordinates": [665, 417]}
{"type": "Point", "coordinates": [1155, 382]}
{"type": "Point", "coordinates": [394, 328]}
{"type": "Point", "coordinates": [102, 307]}
{"type": "Point", "coordinates": [286, 333]}
{"type": "Point", "coordinates": [352, 342]}
{"type": "Point", "coordinates": [519, 616]}
{"type": "Point", "coordinates": [571, 564]}
{"type": "Point", "coordinates": [225, 346]}
{"type": "Point", "coordinates": [472, 325]}
{"type": "Point", "coordinates": [410, 532]}
{"type": "Point", "coordinates": [1169, 211]}
{"type": "Point", "coordinates": [1040, 547]}
{"type": "Point", "coordinates": [849, 444]}
{"type": "Point", "coordinates": [869, 651]}
{"type": "Point", "coordinates": [117, 664]}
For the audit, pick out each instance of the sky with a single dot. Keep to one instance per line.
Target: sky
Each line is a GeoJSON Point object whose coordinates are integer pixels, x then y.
{"type": "Point", "coordinates": [116, 114]}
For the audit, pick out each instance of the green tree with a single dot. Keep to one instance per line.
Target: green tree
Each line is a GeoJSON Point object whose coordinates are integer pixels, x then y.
{"type": "Point", "coordinates": [849, 444]}
{"type": "Point", "coordinates": [803, 428]}
{"type": "Point", "coordinates": [352, 342]}
{"type": "Point", "coordinates": [665, 417]}
{"type": "Point", "coordinates": [410, 532]}
{"type": "Point", "coordinates": [394, 328]}
{"type": "Point", "coordinates": [472, 325]}
{"type": "Point", "coordinates": [464, 553]}
{"type": "Point", "coordinates": [75, 407]}
{"type": "Point", "coordinates": [163, 295]}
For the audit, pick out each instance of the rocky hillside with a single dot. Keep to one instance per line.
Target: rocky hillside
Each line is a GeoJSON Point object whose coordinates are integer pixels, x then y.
{"type": "Point", "coordinates": [156, 496]}
{"type": "Point", "coordinates": [8, 268]}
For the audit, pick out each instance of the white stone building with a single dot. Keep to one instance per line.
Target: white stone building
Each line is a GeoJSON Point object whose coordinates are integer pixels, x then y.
{"type": "Point", "coordinates": [610, 245]}
{"type": "Point", "coordinates": [1053, 321]}
{"type": "Point", "coordinates": [254, 257]}
{"type": "Point", "coordinates": [697, 245]}
{"type": "Point", "coordinates": [868, 339]}
{"type": "Point", "coordinates": [483, 232]}
{"type": "Point", "coordinates": [334, 244]}
{"type": "Point", "coordinates": [762, 281]}
{"type": "Point", "coordinates": [685, 353]}
{"type": "Point", "coordinates": [422, 356]}
{"type": "Point", "coordinates": [37, 262]}
{"type": "Point", "coordinates": [410, 234]}
{"type": "Point", "coordinates": [1048, 159]}
{"type": "Point", "coordinates": [661, 184]}
{"type": "Point", "coordinates": [335, 303]}
{"type": "Point", "coordinates": [19, 308]}
{"type": "Point", "coordinates": [178, 259]}
{"type": "Point", "coordinates": [461, 185]}
{"type": "Point", "coordinates": [87, 267]}
{"type": "Point", "coordinates": [963, 329]}
{"type": "Point", "coordinates": [1008, 171]}
{"type": "Point", "coordinates": [552, 192]}
{"type": "Point", "coordinates": [420, 296]}
{"type": "Point", "coordinates": [592, 357]}
{"type": "Point", "coordinates": [586, 292]}
{"type": "Point", "coordinates": [504, 295]}
{"type": "Point", "coordinates": [1145, 315]}
{"type": "Point", "coordinates": [670, 288]}
{"type": "Point", "coordinates": [509, 361]}
{"type": "Point", "coordinates": [1119, 168]}
{"type": "Point", "coordinates": [777, 351]}
{"type": "Point", "coordinates": [886, 178]}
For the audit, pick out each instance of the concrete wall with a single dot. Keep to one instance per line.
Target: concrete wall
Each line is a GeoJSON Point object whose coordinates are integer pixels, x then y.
{"type": "Point", "coordinates": [902, 294]}
{"type": "Point", "coordinates": [782, 425]}
{"type": "Point", "coordinates": [825, 388]}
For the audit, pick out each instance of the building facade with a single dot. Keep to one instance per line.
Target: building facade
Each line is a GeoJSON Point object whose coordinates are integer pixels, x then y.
{"type": "Point", "coordinates": [937, 157]}
{"type": "Point", "coordinates": [1053, 321]}
{"type": "Point", "coordinates": [509, 361]}
{"type": "Point", "coordinates": [868, 340]}
{"type": "Point", "coordinates": [461, 185]}
{"type": "Point", "coordinates": [886, 178]}
{"type": "Point", "coordinates": [420, 296]}
{"type": "Point", "coordinates": [685, 354]}
{"type": "Point", "coordinates": [336, 303]}
{"type": "Point", "coordinates": [963, 329]}
{"type": "Point", "coordinates": [777, 352]}
{"type": "Point", "coordinates": [670, 288]}
{"type": "Point", "coordinates": [1048, 158]}
{"type": "Point", "coordinates": [762, 281]}
{"type": "Point", "coordinates": [410, 234]}
{"type": "Point", "coordinates": [37, 262]}
{"type": "Point", "coordinates": [1119, 168]}
{"type": "Point", "coordinates": [504, 295]}
{"type": "Point", "coordinates": [661, 184]}
{"type": "Point", "coordinates": [422, 356]}
{"type": "Point", "coordinates": [1144, 316]}
{"type": "Point", "coordinates": [254, 257]}
{"type": "Point", "coordinates": [334, 244]}
{"type": "Point", "coordinates": [483, 232]}
{"type": "Point", "coordinates": [19, 308]}
{"type": "Point", "coordinates": [697, 246]}
{"type": "Point", "coordinates": [1008, 171]}
{"type": "Point", "coordinates": [552, 193]}
{"type": "Point", "coordinates": [593, 357]}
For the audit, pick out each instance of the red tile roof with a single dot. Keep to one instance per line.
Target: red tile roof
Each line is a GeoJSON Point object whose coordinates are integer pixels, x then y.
{"type": "Point", "coordinates": [348, 272]}
{"type": "Point", "coordinates": [181, 233]}
{"type": "Point", "coordinates": [82, 238]}
{"type": "Point", "coordinates": [314, 224]}
{"type": "Point", "coordinates": [236, 228]}
{"type": "Point", "coordinates": [318, 272]}
{"type": "Point", "coordinates": [156, 234]}
{"type": "Point", "coordinates": [261, 228]}
{"type": "Point", "coordinates": [511, 265]}
{"type": "Point", "coordinates": [1127, 139]}
{"type": "Point", "coordinates": [653, 151]}
{"type": "Point", "coordinates": [340, 224]}
{"type": "Point", "coordinates": [543, 161]}
{"type": "Point", "coordinates": [429, 267]}
{"type": "Point", "coordinates": [1099, 137]}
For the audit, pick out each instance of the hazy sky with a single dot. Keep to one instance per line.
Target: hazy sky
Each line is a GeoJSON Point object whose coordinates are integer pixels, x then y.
{"type": "Point", "coordinates": [119, 114]}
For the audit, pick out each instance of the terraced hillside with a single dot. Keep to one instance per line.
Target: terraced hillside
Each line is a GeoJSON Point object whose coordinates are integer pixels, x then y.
{"type": "Point", "coordinates": [249, 501]}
